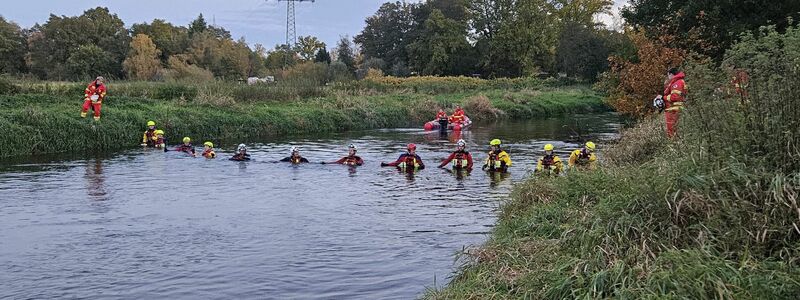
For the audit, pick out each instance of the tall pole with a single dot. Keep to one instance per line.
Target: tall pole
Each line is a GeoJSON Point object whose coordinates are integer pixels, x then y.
{"type": "Point", "coordinates": [291, 29]}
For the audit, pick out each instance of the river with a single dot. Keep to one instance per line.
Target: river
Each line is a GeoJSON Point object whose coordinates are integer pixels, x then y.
{"type": "Point", "coordinates": [142, 224]}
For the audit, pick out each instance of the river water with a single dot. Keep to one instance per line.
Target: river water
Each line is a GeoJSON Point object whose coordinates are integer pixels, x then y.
{"type": "Point", "coordinates": [142, 224]}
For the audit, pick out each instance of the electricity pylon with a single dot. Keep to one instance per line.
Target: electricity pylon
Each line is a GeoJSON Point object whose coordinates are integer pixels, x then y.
{"type": "Point", "coordinates": [291, 30]}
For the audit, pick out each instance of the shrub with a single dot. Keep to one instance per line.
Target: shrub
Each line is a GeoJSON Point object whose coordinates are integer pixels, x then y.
{"type": "Point", "coordinates": [759, 128]}
{"type": "Point", "coordinates": [7, 87]}
{"type": "Point", "coordinates": [180, 70]}
{"type": "Point", "coordinates": [480, 108]}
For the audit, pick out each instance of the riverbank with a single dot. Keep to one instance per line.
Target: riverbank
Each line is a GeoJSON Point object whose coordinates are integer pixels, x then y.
{"type": "Point", "coordinates": [710, 215]}
{"type": "Point", "coordinates": [43, 117]}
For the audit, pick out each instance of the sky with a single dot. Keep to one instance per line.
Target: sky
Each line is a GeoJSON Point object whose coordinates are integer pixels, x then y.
{"type": "Point", "coordinates": [258, 21]}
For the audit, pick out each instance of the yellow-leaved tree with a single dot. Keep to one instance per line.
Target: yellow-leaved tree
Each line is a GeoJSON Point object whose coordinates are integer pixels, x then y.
{"type": "Point", "coordinates": [142, 62]}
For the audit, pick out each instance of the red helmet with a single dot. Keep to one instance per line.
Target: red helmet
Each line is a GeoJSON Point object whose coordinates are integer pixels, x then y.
{"type": "Point", "coordinates": [412, 147]}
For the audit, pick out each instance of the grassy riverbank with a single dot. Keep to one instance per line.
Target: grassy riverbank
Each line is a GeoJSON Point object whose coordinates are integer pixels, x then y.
{"type": "Point", "coordinates": [42, 117]}
{"type": "Point", "coordinates": [712, 214]}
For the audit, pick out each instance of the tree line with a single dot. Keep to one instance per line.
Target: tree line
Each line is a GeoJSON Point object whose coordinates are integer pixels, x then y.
{"type": "Point", "coordinates": [487, 38]}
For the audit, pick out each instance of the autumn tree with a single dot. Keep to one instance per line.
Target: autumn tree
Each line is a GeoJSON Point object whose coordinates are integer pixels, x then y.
{"type": "Point", "coordinates": [632, 85]}
{"type": "Point", "coordinates": [142, 62]}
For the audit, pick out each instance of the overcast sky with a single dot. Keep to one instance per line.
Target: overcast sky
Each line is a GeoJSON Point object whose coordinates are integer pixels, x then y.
{"type": "Point", "coordinates": [258, 21]}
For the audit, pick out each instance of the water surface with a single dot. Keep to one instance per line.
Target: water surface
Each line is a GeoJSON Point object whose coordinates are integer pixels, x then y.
{"type": "Point", "coordinates": [142, 224]}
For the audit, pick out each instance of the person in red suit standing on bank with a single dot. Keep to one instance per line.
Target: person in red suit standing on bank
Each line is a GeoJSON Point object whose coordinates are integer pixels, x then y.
{"type": "Point", "coordinates": [93, 97]}
{"type": "Point", "coordinates": [674, 97]}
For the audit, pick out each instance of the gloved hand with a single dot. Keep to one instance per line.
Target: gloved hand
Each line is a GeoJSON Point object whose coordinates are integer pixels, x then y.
{"type": "Point", "coordinates": [383, 164]}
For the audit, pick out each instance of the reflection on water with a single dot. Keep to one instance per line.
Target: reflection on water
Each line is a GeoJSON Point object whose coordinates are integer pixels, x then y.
{"type": "Point", "coordinates": [95, 180]}
{"type": "Point", "coordinates": [146, 224]}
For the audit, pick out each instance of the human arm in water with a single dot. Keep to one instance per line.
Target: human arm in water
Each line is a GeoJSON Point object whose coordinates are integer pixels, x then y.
{"type": "Point", "coordinates": [347, 160]}
{"type": "Point", "coordinates": [447, 160]}
{"type": "Point", "coordinates": [399, 160]}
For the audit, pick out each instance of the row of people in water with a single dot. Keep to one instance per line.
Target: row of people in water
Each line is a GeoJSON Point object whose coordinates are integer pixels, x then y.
{"type": "Point", "coordinates": [497, 160]}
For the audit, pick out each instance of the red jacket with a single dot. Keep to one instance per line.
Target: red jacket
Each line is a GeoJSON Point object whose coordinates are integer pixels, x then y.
{"type": "Point", "coordinates": [675, 92]}
{"type": "Point", "coordinates": [94, 89]}
{"type": "Point", "coordinates": [441, 115]}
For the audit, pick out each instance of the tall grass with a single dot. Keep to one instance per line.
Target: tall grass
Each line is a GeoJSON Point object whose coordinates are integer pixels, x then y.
{"type": "Point", "coordinates": [712, 214]}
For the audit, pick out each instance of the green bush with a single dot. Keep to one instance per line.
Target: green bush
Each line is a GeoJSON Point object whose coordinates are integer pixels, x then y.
{"type": "Point", "coordinates": [7, 87]}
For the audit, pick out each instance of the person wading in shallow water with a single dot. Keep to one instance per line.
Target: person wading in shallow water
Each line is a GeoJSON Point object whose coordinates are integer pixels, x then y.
{"type": "Point", "coordinates": [550, 163]}
{"type": "Point", "coordinates": [408, 161]}
{"type": "Point", "coordinates": [461, 158]}
{"type": "Point", "coordinates": [295, 157]}
{"type": "Point", "coordinates": [241, 153]}
{"type": "Point", "coordinates": [498, 160]}
{"type": "Point", "coordinates": [149, 136]}
{"type": "Point", "coordinates": [186, 147]}
{"type": "Point", "coordinates": [351, 159]}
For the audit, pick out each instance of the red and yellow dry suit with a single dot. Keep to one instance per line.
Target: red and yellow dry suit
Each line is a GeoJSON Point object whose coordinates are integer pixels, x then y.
{"type": "Point", "coordinates": [354, 160]}
{"type": "Point", "coordinates": [461, 160]}
{"type": "Point", "coordinates": [581, 158]}
{"type": "Point", "coordinates": [94, 88]}
{"type": "Point", "coordinates": [740, 81]}
{"type": "Point", "coordinates": [498, 161]}
{"type": "Point", "coordinates": [408, 162]}
{"type": "Point", "coordinates": [441, 116]}
{"type": "Point", "coordinates": [549, 165]}
{"type": "Point", "coordinates": [674, 97]}
{"type": "Point", "coordinates": [209, 153]}
{"type": "Point", "coordinates": [458, 116]}
{"type": "Point", "coordinates": [159, 142]}
{"type": "Point", "coordinates": [189, 149]}
{"type": "Point", "coordinates": [149, 137]}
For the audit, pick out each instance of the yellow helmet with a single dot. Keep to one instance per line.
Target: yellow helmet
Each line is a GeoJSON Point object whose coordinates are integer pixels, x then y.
{"type": "Point", "coordinates": [159, 131]}
{"type": "Point", "coordinates": [590, 145]}
{"type": "Point", "coordinates": [186, 139]}
{"type": "Point", "coordinates": [495, 142]}
{"type": "Point", "coordinates": [210, 144]}
{"type": "Point", "coordinates": [151, 123]}
{"type": "Point", "coordinates": [548, 147]}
